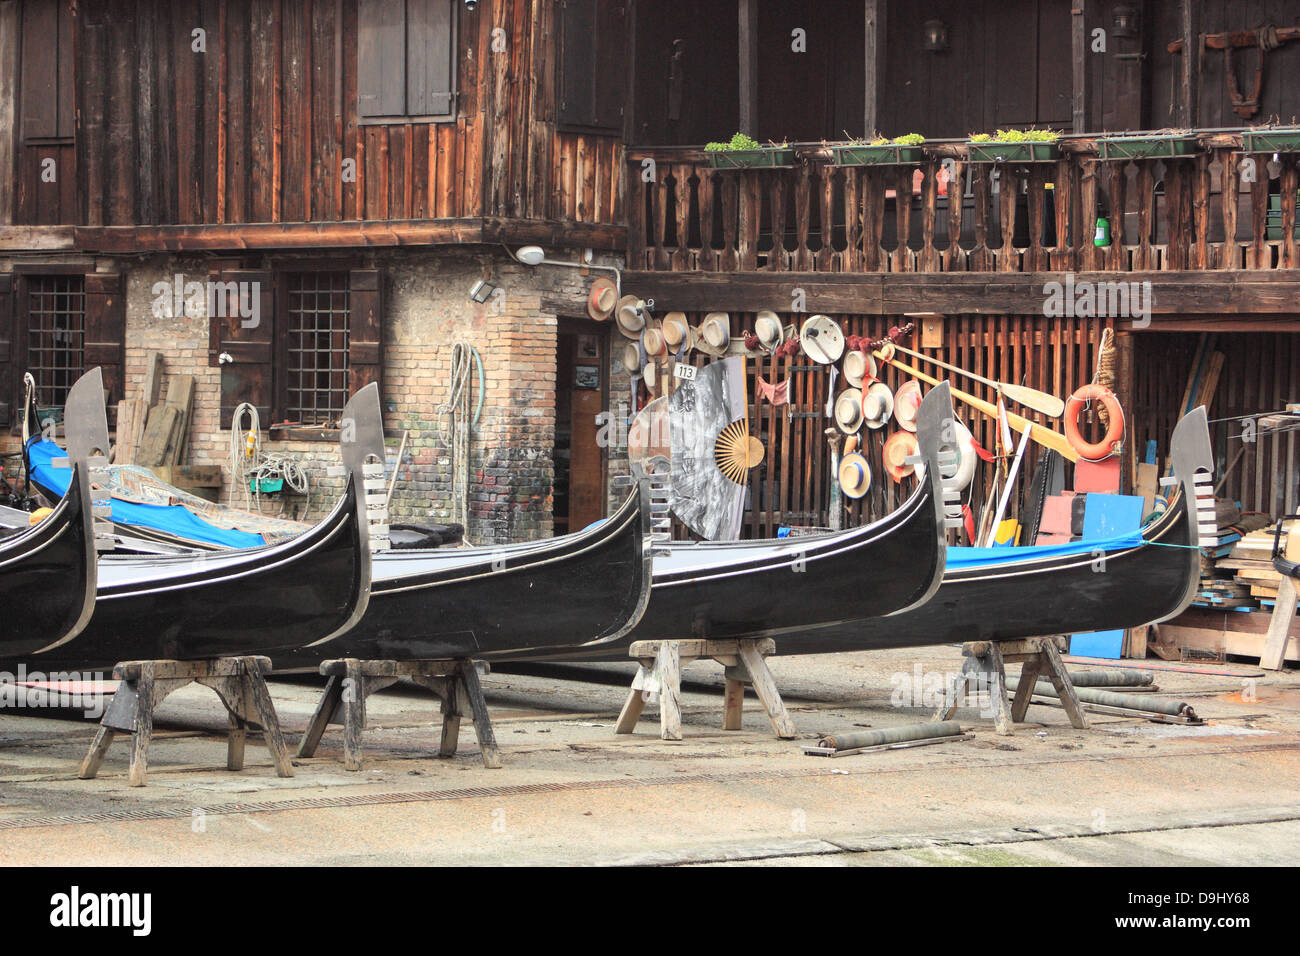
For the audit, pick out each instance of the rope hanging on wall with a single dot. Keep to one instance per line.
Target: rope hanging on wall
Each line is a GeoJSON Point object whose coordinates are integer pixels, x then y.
{"type": "Point", "coordinates": [455, 423]}
{"type": "Point", "coordinates": [251, 468]}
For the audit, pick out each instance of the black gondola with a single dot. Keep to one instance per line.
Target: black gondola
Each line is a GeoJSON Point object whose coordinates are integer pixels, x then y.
{"type": "Point", "coordinates": [255, 601]}
{"type": "Point", "coordinates": [583, 593]}
{"type": "Point", "coordinates": [586, 588]}
{"type": "Point", "coordinates": [48, 572]}
{"type": "Point", "coordinates": [1035, 592]}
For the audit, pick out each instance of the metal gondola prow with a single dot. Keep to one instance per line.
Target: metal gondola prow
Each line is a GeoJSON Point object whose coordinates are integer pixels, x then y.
{"type": "Point", "coordinates": [936, 439]}
{"type": "Point", "coordinates": [85, 423]}
{"type": "Point", "coordinates": [1193, 459]}
{"type": "Point", "coordinates": [361, 444]}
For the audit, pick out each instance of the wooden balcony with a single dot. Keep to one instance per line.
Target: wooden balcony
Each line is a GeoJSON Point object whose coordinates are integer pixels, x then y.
{"type": "Point", "coordinates": [1196, 212]}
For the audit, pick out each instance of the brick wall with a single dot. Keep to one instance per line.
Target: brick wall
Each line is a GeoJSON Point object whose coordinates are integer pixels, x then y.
{"type": "Point", "coordinates": [427, 311]}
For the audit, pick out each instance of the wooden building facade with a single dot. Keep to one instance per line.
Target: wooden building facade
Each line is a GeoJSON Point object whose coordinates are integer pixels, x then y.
{"type": "Point", "coordinates": [373, 158]}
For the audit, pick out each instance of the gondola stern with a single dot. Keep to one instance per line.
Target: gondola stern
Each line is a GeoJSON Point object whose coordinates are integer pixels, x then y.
{"type": "Point", "coordinates": [644, 498]}
{"type": "Point", "coordinates": [1193, 464]}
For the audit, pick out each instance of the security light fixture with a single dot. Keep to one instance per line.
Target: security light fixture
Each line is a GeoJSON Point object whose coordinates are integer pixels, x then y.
{"type": "Point", "coordinates": [934, 35]}
{"type": "Point", "coordinates": [1125, 20]}
{"type": "Point", "coordinates": [482, 291]}
{"type": "Point", "coordinates": [531, 255]}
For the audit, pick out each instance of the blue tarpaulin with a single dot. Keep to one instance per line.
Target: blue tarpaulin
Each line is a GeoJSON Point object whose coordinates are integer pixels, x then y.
{"type": "Point", "coordinates": [173, 519]}
{"type": "Point", "coordinates": [974, 557]}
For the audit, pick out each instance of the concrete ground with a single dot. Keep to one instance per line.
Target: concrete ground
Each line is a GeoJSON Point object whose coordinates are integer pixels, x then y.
{"type": "Point", "coordinates": [1126, 791]}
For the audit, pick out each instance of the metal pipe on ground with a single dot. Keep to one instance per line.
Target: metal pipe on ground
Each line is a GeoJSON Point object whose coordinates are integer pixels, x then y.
{"type": "Point", "coordinates": [856, 739]}
{"type": "Point", "coordinates": [1115, 678]}
{"type": "Point", "coordinates": [1103, 698]}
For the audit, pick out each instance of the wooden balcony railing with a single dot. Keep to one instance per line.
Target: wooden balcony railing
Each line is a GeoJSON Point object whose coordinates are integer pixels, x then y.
{"type": "Point", "coordinates": [1197, 212]}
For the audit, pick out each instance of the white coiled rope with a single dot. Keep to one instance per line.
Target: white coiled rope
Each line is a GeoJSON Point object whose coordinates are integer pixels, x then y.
{"type": "Point", "coordinates": [249, 471]}
{"type": "Point", "coordinates": [455, 423]}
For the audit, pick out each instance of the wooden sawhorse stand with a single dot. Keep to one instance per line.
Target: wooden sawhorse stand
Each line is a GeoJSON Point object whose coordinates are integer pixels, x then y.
{"type": "Point", "coordinates": [988, 659]}
{"type": "Point", "coordinates": [661, 672]}
{"type": "Point", "coordinates": [240, 682]}
{"type": "Point", "coordinates": [351, 681]}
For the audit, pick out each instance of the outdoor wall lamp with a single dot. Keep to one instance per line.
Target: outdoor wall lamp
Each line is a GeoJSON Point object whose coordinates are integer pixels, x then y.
{"type": "Point", "coordinates": [934, 35]}
{"type": "Point", "coordinates": [536, 256]}
{"type": "Point", "coordinates": [1125, 20]}
{"type": "Point", "coordinates": [482, 291]}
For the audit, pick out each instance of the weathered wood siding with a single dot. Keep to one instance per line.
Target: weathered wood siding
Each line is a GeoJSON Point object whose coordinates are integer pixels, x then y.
{"type": "Point", "coordinates": [258, 128]}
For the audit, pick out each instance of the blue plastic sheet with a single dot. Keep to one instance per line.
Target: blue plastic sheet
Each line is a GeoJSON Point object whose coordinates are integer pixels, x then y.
{"type": "Point", "coordinates": [976, 557]}
{"type": "Point", "coordinates": [173, 519]}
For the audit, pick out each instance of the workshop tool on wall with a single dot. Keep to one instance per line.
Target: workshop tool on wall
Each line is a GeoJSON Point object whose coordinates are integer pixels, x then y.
{"type": "Point", "coordinates": [822, 340]}
{"type": "Point", "coordinates": [1049, 405]}
{"type": "Point", "coordinates": [1043, 436]}
{"type": "Point", "coordinates": [701, 414]}
{"type": "Point", "coordinates": [829, 410]}
{"type": "Point", "coordinates": [1010, 484]}
{"type": "Point", "coordinates": [1267, 39]}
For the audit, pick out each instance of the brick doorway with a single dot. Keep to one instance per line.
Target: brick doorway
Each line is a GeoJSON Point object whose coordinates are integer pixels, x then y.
{"type": "Point", "coordinates": [581, 394]}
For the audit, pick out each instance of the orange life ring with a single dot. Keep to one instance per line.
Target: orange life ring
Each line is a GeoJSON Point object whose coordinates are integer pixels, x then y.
{"type": "Point", "coordinates": [1094, 451]}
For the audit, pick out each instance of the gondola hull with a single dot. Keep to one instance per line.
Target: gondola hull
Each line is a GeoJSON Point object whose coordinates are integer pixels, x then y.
{"type": "Point", "coordinates": [47, 579]}
{"type": "Point", "coordinates": [583, 588]}
{"type": "Point", "coordinates": [1148, 581]}
{"type": "Point", "coordinates": [224, 604]}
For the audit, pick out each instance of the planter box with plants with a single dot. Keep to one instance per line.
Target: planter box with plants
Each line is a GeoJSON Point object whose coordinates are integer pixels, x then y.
{"type": "Point", "coordinates": [1281, 140]}
{"type": "Point", "coordinates": [1164, 145]}
{"type": "Point", "coordinates": [902, 150]}
{"type": "Point", "coordinates": [743, 152]}
{"type": "Point", "coordinates": [1014, 146]}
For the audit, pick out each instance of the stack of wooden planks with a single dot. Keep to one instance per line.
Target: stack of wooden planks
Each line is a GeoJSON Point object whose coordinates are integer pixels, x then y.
{"type": "Point", "coordinates": [151, 431]}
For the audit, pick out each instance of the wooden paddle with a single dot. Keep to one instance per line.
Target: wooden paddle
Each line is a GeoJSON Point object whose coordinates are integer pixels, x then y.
{"type": "Point", "coordinates": [1040, 433]}
{"type": "Point", "coordinates": [1049, 405]}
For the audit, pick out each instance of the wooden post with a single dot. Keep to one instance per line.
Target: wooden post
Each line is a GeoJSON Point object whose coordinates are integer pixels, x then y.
{"type": "Point", "coordinates": [1189, 75]}
{"type": "Point", "coordinates": [873, 56]}
{"type": "Point", "coordinates": [1284, 609]}
{"type": "Point", "coordinates": [670, 678]}
{"type": "Point", "coordinates": [1080, 43]}
{"type": "Point", "coordinates": [765, 689]}
{"type": "Point", "coordinates": [748, 67]}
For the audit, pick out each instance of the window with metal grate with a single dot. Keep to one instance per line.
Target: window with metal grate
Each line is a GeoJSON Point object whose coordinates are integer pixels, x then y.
{"type": "Point", "coordinates": [318, 336]}
{"type": "Point", "coordinates": [56, 333]}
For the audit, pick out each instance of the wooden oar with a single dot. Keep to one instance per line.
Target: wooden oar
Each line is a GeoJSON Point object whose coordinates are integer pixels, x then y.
{"type": "Point", "coordinates": [1041, 434]}
{"type": "Point", "coordinates": [1049, 405]}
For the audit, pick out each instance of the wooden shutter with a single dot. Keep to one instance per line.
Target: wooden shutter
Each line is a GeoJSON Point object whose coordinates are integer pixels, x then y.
{"type": "Point", "coordinates": [365, 329]}
{"type": "Point", "coordinates": [592, 64]}
{"type": "Point", "coordinates": [105, 336]}
{"type": "Point", "coordinates": [8, 388]}
{"type": "Point", "coordinates": [47, 70]}
{"type": "Point", "coordinates": [381, 58]}
{"type": "Point", "coordinates": [430, 57]}
{"type": "Point", "coordinates": [250, 375]}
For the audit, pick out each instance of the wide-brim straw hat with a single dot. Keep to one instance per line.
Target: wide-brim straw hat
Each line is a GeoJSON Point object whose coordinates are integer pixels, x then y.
{"type": "Point", "coordinates": [770, 331]}
{"type": "Point", "coordinates": [822, 339]}
{"type": "Point", "coordinates": [848, 411]}
{"type": "Point", "coordinates": [630, 320]}
{"type": "Point", "coordinates": [677, 331]}
{"type": "Point", "coordinates": [859, 366]}
{"type": "Point", "coordinates": [907, 402]}
{"type": "Point", "coordinates": [630, 357]}
{"type": "Point", "coordinates": [877, 405]}
{"type": "Point", "coordinates": [854, 475]}
{"type": "Point", "coordinates": [898, 448]}
{"type": "Point", "coordinates": [602, 299]}
{"type": "Point", "coordinates": [650, 374]}
{"type": "Point", "coordinates": [714, 334]}
{"type": "Point", "coordinates": [654, 342]}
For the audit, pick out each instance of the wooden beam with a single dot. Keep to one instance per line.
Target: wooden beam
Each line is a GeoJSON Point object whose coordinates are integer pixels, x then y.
{"type": "Point", "coordinates": [319, 235]}
{"type": "Point", "coordinates": [1236, 299]}
{"type": "Point", "coordinates": [1189, 70]}
{"type": "Point", "coordinates": [874, 57]}
{"type": "Point", "coordinates": [748, 66]}
{"type": "Point", "coordinates": [1081, 50]}
{"type": "Point", "coordinates": [9, 34]}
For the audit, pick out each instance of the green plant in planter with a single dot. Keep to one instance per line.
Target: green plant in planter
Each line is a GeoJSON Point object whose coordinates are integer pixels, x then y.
{"type": "Point", "coordinates": [880, 150]}
{"type": "Point", "coordinates": [1014, 145]}
{"type": "Point", "coordinates": [745, 152]}
{"type": "Point", "coordinates": [1162, 144]}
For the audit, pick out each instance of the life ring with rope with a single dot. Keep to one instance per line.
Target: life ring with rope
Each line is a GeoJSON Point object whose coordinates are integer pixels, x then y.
{"type": "Point", "coordinates": [1094, 451]}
